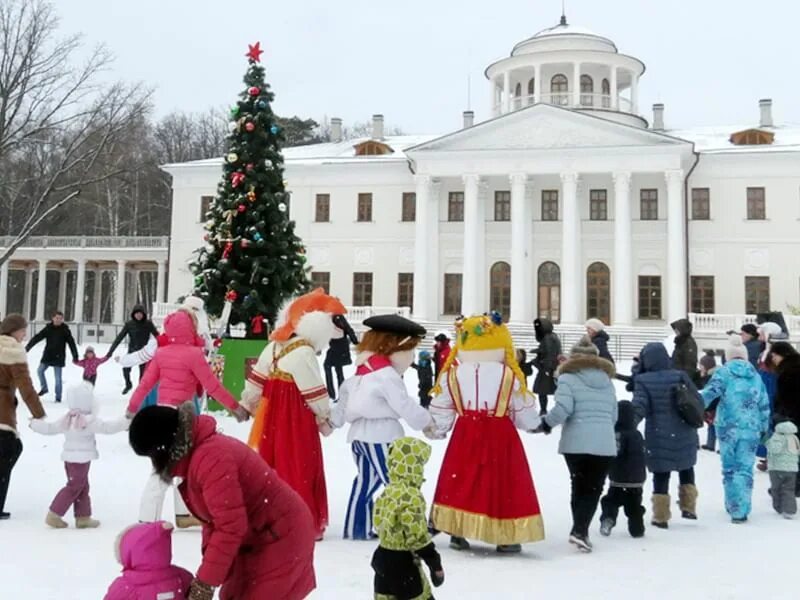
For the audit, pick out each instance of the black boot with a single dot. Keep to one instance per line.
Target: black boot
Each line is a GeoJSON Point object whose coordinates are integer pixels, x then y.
{"type": "Point", "coordinates": [459, 543]}
{"type": "Point", "coordinates": [509, 548]}
{"type": "Point", "coordinates": [127, 388]}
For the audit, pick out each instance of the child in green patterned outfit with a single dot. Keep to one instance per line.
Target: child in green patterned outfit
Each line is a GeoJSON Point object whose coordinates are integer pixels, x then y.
{"type": "Point", "coordinates": [400, 519]}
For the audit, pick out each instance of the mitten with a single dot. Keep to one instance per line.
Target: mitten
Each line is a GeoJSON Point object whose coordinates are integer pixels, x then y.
{"type": "Point", "coordinates": [437, 577]}
{"type": "Point", "coordinates": [325, 428]}
{"type": "Point", "coordinates": [200, 591]}
{"type": "Point", "coordinates": [241, 414]}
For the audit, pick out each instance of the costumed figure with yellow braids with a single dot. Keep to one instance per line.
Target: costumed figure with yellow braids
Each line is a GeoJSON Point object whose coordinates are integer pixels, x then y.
{"type": "Point", "coordinates": [286, 392]}
{"type": "Point", "coordinates": [485, 489]}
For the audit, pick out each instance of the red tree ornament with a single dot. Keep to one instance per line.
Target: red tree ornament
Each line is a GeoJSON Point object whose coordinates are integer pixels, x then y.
{"type": "Point", "coordinates": [237, 179]}
{"type": "Point", "coordinates": [226, 252]}
{"type": "Point", "coordinates": [231, 296]}
{"type": "Point", "coordinates": [250, 167]}
{"type": "Point", "coordinates": [254, 52]}
{"type": "Point", "coordinates": [241, 208]}
{"type": "Point", "coordinates": [257, 325]}
{"type": "Point", "coordinates": [254, 91]}
{"type": "Point", "coordinates": [249, 126]}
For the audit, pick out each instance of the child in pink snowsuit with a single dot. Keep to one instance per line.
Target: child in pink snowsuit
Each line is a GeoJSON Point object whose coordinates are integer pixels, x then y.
{"type": "Point", "coordinates": [89, 363]}
{"type": "Point", "coordinates": [145, 553]}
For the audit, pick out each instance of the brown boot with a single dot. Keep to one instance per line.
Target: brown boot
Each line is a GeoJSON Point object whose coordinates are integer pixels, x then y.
{"type": "Point", "coordinates": [186, 521]}
{"type": "Point", "coordinates": [661, 512]}
{"type": "Point", "coordinates": [86, 523]}
{"type": "Point", "coordinates": [687, 501]}
{"type": "Point", "coordinates": [54, 521]}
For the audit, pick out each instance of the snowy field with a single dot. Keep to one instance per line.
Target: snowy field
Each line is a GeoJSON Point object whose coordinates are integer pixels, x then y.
{"type": "Point", "coordinates": [709, 559]}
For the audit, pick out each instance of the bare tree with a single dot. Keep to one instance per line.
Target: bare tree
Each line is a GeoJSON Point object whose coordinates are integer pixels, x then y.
{"type": "Point", "coordinates": [58, 124]}
{"type": "Point", "coordinates": [183, 136]}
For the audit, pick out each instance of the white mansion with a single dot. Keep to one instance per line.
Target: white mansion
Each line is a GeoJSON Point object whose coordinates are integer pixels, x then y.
{"type": "Point", "coordinates": [565, 203]}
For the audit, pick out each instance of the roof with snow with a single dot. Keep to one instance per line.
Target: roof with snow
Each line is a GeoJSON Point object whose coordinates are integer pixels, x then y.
{"type": "Point", "coordinates": [717, 140]}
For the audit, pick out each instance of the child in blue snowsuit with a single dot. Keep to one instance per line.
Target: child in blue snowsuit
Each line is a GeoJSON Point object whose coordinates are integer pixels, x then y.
{"type": "Point", "coordinates": [742, 419]}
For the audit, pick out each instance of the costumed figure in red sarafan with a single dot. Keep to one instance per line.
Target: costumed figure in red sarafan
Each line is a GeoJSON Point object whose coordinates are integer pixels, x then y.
{"type": "Point", "coordinates": [286, 392]}
{"type": "Point", "coordinates": [485, 489]}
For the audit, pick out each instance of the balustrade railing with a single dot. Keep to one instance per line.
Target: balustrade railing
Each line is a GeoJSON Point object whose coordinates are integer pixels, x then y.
{"type": "Point", "coordinates": [565, 99]}
{"type": "Point", "coordinates": [96, 241]}
{"type": "Point", "coordinates": [722, 323]}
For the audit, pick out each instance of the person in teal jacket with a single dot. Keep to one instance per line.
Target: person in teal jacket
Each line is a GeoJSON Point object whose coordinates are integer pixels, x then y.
{"type": "Point", "coordinates": [742, 419]}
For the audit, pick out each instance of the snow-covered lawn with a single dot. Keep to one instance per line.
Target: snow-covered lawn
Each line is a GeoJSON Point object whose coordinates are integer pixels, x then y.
{"type": "Point", "coordinates": [710, 559]}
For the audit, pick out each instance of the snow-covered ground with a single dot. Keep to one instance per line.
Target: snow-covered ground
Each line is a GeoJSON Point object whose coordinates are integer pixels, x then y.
{"type": "Point", "coordinates": [709, 559]}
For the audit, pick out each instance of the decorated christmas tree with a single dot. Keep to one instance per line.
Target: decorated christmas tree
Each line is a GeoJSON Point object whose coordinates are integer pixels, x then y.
{"type": "Point", "coordinates": [252, 257]}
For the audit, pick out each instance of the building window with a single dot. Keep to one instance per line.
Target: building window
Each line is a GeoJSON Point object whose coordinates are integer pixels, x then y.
{"type": "Point", "coordinates": [455, 206]}
{"type": "Point", "coordinates": [559, 89]}
{"type": "Point", "coordinates": [531, 90]}
{"type": "Point", "coordinates": [549, 205]}
{"type": "Point", "coordinates": [701, 204]}
{"type": "Point", "coordinates": [502, 206]}
{"type": "Point", "coordinates": [518, 96]}
{"type": "Point", "coordinates": [702, 294]}
{"type": "Point", "coordinates": [322, 210]}
{"type": "Point", "coordinates": [648, 205]}
{"type": "Point", "coordinates": [205, 206]}
{"type": "Point", "coordinates": [364, 208]}
{"type": "Point", "coordinates": [549, 286]}
{"type": "Point", "coordinates": [452, 293]}
{"type": "Point", "coordinates": [756, 204]}
{"type": "Point", "coordinates": [362, 289]}
{"type": "Point", "coordinates": [598, 292]}
{"type": "Point", "coordinates": [405, 290]}
{"type": "Point", "coordinates": [756, 295]}
{"type": "Point", "coordinates": [500, 288]}
{"type": "Point", "coordinates": [650, 297]}
{"type": "Point", "coordinates": [606, 90]}
{"type": "Point", "coordinates": [321, 279]}
{"type": "Point", "coordinates": [409, 206]}
{"type": "Point", "coordinates": [587, 91]}
{"type": "Point", "coordinates": [598, 205]}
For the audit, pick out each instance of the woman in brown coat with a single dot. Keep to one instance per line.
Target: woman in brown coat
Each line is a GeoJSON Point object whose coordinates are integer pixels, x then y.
{"type": "Point", "coordinates": [14, 376]}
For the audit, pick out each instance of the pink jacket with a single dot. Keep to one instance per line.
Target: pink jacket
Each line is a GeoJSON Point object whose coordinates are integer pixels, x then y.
{"type": "Point", "coordinates": [145, 552]}
{"type": "Point", "coordinates": [178, 368]}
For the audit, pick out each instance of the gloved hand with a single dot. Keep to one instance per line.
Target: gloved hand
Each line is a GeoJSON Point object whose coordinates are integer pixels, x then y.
{"type": "Point", "coordinates": [200, 591]}
{"type": "Point", "coordinates": [241, 414]}
{"type": "Point", "coordinates": [325, 428]}
{"type": "Point", "coordinates": [432, 433]}
{"type": "Point", "coordinates": [437, 577]}
{"type": "Point", "coordinates": [129, 415]}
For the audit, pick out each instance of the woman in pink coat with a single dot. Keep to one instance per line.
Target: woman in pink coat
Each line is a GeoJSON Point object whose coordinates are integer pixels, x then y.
{"type": "Point", "coordinates": [145, 553]}
{"type": "Point", "coordinates": [258, 534]}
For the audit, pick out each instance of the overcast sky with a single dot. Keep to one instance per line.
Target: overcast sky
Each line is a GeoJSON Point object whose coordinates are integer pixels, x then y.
{"type": "Point", "coordinates": [709, 61]}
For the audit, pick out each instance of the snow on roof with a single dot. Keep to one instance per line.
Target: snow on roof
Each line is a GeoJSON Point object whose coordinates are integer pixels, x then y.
{"type": "Point", "coordinates": [566, 30]}
{"type": "Point", "coordinates": [716, 140]}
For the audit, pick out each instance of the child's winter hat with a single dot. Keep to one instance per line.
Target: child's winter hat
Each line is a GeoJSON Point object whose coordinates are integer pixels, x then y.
{"type": "Point", "coordinates": [735, 348]}
{"type": "Point", "coordinates": [145, 546]}
{"type": "Point", "coordinates": [89, 349]}
{"type": "Point", "coordinates": [708, 361]}
{"type": "Point", "coordinates": [584, 347]}
{"type": "Point", "coordinates": [424, 355]}
{"type": "Point", "coordinates": [595, 325]}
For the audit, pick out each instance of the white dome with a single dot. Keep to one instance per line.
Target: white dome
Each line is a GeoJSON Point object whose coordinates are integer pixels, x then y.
{"type": "Point", "coordinates": [564, 37]}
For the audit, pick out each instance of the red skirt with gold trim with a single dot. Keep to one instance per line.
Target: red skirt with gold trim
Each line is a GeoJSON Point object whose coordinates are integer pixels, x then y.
{"type": "Point", "coordinates": [288, 440]}
{"type": "Point", "coordinates": [485, 489]}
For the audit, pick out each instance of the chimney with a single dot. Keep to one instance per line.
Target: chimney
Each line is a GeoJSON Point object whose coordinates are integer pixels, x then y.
{"type": "Point", "coordinates": [469, 119]}
{"type": "Point", "coordinates": [658, 117]}
{"type": "Point", "coordinates": [336, 130]}
{"type": "Point", "coordinates": [766, 112]}
{"type": "Point", "coordinates": [377, 127]}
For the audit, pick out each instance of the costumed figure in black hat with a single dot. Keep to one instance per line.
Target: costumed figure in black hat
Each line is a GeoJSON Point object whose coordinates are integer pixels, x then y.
{"type": "Point", "coordinates": [373, 401]}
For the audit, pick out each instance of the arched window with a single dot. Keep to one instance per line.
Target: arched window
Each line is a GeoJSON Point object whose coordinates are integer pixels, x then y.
{"type": "Point", "coordinates": [598, 292]}
{"type": "Point", "coordinates": [606, 93]}
{"type": "Point", "coordinates": [518, 96]}
{"type": "Point", "coordinates": [500, 288]}
{"type": "Point", "coordinates": [587, 90]}
{"type": "Point", "coordinates": [549, 287]}
{"type": "Point", "coordinates": [531, 90]}
{"type": "Point", "coordinates": [559, 89]}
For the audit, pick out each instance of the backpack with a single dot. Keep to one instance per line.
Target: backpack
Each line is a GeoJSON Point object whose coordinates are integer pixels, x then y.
{"type": "Point", "coordinates": [689, 406]}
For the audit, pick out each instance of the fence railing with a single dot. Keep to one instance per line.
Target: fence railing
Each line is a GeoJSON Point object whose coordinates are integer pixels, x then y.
{"type": "Point", "coordinates": [94, 241]}
{"type": "Point", "coordinates": [721, 323]}
{"type": "Point", "coordinates": [566, 99]}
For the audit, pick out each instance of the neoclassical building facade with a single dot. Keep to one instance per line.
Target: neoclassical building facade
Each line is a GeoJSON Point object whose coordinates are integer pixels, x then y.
{"type": "Point", "coordinates": [565, 202]}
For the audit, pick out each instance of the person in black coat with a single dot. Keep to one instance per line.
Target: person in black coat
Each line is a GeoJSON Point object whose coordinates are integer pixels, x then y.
{"type": "Point", "coordinates": [627, 476]}
{"type": "Point", "coordinates": [424, 369]}
{"type": "Point", "coordinates": [597, 333]}
{"type": "Point", "coordinates": [684, 356]}
{"type": "Point", "coordinates": [546, 361]}
{"type": "Point", "coordinates": [786, 362]}
{"type": "Point", "coordinates": [138, 331]}
{"type": "Point", "coordinates": [338, 355]}
{"type": "Point", "coordinates": [57, 337]}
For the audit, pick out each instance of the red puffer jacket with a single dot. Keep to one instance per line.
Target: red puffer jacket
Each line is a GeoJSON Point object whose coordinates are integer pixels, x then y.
{"type": "Point", "coordinates": [178, 368]}
{"type": "Point", "coordinates": [258, 534]}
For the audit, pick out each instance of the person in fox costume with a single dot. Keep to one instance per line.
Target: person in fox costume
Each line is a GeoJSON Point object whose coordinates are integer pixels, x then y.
{"type": "Point", "coordinates": [485, 489]}
{"type": "Point", "coordinates": [286, 392]}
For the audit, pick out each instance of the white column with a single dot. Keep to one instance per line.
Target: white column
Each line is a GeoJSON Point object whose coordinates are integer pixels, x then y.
{"type": "Point", "coordinates": [570, 251]}
{"type": "Point", "coordinates": [3, 289]}
{"type": "Point", "coordinates": [676, 247]}
{"type": "Point", "coordinates": [119, 293]}
{"type": "Point", "coordinates": [537, 84]}
{"type": "Point", "coordinates": [521, 255]}
{"type": "Point", "coordinates": [613, 90]}
{"type": "Point", "coordinates": [62, 290]}
{"type": "Point", "coordinates": [472, 293]}
{"type": "Point", "coordinates": [26, 302]}
{"type": "Point", "coordinates": [160, 280]}
{"type": "Point", "coordinates": [506, 92]}
{"type": "Point", "coordinates": [622, 273]}
{"type": "Point", "coordinates": [634, 93]}
{"type": "Point", "coordinates": [422, 254]}
{"type": "Point", "coordinates": [576, 84]}
{"type": "Point", "coordinates": [98, 295]}
{"type": "Point", "coordinates": [41, 289]}
{"type": "Point", "coordinates": [80, 290]}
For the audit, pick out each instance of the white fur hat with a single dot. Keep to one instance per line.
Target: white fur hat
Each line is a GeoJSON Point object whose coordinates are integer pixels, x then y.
{"type": "Point", "coordinates": [735, 348]}
{"type": "Point", "coordinates": [595, 325]}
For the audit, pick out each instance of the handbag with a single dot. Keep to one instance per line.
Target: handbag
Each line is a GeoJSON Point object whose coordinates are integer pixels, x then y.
{"type": "Point", "coordinates": [689, 406]}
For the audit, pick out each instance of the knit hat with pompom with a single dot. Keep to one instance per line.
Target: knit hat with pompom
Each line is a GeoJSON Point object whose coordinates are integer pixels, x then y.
{"type": "Point", "coordinates": [735, 348]}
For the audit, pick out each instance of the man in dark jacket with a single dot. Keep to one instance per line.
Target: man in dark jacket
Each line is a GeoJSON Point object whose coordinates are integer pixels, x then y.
{"type": "Point", "coordinates": [57, 337]}
{"type": "Point", "coordinates": [338, 355]}
{"type": "Point", "coordinates": [546, 361]}
{"type": "Point", "coordinates": [749, 333]}
{"type": "Point", "coordinates": [138, 330]}
{"type": "Point", "coordinates": [684, 356]}
{"type": "Point", "coordinates": [596, 330]}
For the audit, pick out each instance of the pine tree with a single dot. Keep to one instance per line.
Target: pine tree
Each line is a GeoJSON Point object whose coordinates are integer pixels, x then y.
{"type": "Point", "coordinates": [252, 256]}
